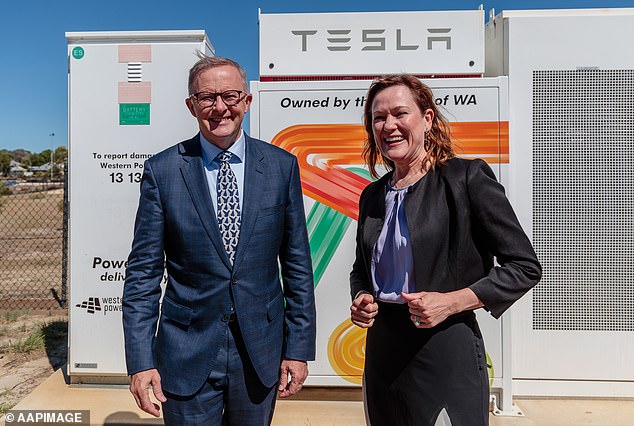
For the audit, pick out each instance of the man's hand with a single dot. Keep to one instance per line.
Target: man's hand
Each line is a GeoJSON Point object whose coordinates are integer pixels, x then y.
{"type": "Point", "coordinates": [140, 387]}
{"type": "Point", "coordinates": [298, 371]}
{"type": "Point", "coordinates": [363, 310]}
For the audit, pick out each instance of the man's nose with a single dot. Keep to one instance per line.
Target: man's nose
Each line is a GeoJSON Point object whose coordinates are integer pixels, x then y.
{"type": "Point", "coordinates": [219, 105]}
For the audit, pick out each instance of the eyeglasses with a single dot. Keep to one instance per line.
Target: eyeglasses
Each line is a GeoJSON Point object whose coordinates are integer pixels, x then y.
{"type": "Point", "coordinates": [208, 99]}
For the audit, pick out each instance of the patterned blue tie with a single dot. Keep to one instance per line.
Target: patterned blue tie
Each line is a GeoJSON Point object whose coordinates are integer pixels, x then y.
{"type": "Point", "coordinates": [228, 206]}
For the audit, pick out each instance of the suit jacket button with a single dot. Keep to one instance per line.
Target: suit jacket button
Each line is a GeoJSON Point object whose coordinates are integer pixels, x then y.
{"type": "Point", "coordinates": [234, 281]}
{"type": "Point", "coordinates": [225, 318]}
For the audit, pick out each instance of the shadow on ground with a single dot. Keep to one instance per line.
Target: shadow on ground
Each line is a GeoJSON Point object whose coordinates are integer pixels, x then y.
{"type": "Point", "coordinates": [55, 336]}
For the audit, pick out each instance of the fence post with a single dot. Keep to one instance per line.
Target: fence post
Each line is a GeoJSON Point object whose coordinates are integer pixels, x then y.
{"type": "Point", "coordinates": [65, 238]}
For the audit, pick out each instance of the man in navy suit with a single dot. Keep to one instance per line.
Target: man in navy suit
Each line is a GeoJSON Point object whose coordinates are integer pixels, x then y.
{"type": "Point", "coordinates": [229, 332]}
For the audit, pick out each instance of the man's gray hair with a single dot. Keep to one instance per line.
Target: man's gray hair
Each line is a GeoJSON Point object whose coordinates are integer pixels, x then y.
{"type": "Point", "coordinates": [207, 62]}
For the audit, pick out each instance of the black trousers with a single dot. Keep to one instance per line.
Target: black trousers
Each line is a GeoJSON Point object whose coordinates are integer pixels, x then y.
{"type": "Point", "coordinates": [412, 374]}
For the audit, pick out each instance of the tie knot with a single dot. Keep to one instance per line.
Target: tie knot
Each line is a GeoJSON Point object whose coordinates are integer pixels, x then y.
{"type": "Point", "coordinates": [224, 156]}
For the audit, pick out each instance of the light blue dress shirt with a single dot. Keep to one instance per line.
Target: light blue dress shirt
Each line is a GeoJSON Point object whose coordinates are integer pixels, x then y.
{"type": "Point", "coordinates": [392, 259]}
{"type": "Point", "coordinates": [212, 166]}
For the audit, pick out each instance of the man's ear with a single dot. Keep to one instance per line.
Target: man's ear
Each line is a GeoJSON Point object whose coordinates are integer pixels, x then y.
{"type": "Point", "coordinates": [247, 101]}
{"type": "Point", "coordinates": [190, 106]}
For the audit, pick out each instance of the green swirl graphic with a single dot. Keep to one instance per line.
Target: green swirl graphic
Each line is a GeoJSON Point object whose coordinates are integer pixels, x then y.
{"type": "Point", "coordinates": [326, 228]}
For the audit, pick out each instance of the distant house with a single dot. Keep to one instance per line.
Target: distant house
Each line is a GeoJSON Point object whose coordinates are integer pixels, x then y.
{"type": "Point", "coordinates": [16, 168]}
{"type": "Point", "coordinates": [43, 168]}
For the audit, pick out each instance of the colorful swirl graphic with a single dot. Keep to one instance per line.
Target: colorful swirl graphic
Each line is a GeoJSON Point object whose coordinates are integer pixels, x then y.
{"type": "Point", "coordinates": [326, 228]}
{"type": "Point", "coordinates": [332, 174]}
{"type": "Point", "coordinates": [321, 150]}
{"type": "Point", "coordinates": [346, 351]}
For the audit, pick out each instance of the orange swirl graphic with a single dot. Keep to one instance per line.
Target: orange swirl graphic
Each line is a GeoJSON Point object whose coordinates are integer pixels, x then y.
{"type": "Point", "coordinates": [322, 150]}
{"type": "Point", "coordinates": [488, 140]}
{"type": "Point", "coordinates": [346, 351]}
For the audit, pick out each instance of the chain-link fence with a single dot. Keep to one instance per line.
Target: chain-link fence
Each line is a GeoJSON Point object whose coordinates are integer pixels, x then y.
{"type": "Point", "coordinates": [32, 248]}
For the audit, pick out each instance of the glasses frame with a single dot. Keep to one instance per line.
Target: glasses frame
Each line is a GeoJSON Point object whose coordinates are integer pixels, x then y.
{"type": "Point", "coordinates": [241, 97]}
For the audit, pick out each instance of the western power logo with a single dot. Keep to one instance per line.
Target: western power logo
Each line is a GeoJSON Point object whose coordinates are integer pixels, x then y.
{"type": "Point", "coordinates": [92, 305]}
{"type": "Point", "coordinates": [106, 304]}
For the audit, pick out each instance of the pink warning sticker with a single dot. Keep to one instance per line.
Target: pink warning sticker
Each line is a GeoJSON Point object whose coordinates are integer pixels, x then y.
{"type": "Point", "coordinates": [135, 93]}
{"type": "Point", "coordinates": [135, 53]}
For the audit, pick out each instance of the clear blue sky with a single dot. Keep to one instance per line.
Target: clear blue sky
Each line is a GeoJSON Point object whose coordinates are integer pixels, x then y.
{"type": "Point", "coordinates": [33, 60]}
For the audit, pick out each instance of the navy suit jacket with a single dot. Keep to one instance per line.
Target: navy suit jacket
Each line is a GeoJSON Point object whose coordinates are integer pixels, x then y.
{"type": "Point", "coordinates": [176, 231]}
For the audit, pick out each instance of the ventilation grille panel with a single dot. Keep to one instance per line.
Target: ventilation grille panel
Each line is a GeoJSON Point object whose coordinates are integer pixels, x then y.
{"type": "Point", "coordinates": [583, 199]}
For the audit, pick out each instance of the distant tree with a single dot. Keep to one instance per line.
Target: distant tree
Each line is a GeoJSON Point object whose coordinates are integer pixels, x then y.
{"type": "Point", "coordinates": [5, 162]}
{"type": "Point", "coordinates": [60, 155]}
{"type": "Point", "coordinates": [22, 156]}
{"type": "Point", "coordinates": [37, 159]}
{"type": "Point", "coordinates": [41, 158]}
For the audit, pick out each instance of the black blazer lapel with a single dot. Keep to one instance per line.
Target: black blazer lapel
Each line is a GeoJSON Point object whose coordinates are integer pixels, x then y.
{"type": "Point", "coordinates": [373, 212]}
{"type": "Point", "coordinates": [428, 222]}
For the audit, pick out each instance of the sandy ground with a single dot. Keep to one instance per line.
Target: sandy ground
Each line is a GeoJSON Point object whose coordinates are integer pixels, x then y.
{"type": "Point", "coordinates": [31, 230]}
{"type": "Point", "coordinates": [24, 364]}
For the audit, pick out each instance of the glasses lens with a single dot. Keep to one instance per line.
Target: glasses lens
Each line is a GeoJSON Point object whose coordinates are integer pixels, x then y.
{"type": "Point", "coordinates": [205, 100]}
{"type": "Point", "coordinates": [231, 97]}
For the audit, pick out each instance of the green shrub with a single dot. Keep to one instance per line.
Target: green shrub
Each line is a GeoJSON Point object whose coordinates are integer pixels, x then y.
{"type": "Point", "coordinates": [4, 190]}
{"type": "Point", "coordinates": [11, 316]}
{"type": "Point", "coordinates": [5, 406]}
{"type": "Point", "coordinates": [34, 342]}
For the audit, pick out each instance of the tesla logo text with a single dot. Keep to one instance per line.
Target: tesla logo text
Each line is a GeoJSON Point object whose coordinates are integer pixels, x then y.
{"type": "Point", "coordinates": [375, 39]}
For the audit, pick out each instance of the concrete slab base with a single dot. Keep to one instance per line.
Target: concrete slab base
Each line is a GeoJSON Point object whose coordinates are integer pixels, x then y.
{"type": "Point", "coordinates": [113, 405]}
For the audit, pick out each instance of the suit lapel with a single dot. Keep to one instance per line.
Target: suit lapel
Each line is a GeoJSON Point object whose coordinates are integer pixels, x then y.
{"type": "Point", "coordinates": [196, 183]}
{"type": "Point", "coordinates": [254, 172]}
{"type": "Point", "coordinates": [375, 214]}
{"type": "Point", "coordinates": [428, 220]}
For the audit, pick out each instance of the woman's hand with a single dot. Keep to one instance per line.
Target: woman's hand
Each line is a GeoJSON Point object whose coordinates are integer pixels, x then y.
{"type": "Point", "coordinates": [429, 309]}
{"type": "Point", "coordinates": [363, 310]}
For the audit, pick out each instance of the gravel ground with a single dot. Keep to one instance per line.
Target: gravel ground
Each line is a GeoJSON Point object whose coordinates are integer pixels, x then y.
{"type": "Point", "coordinates": [32, 346]}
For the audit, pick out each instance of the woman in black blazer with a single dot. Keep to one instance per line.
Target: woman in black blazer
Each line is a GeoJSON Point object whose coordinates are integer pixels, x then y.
{"type": "Point", "coordinates": [427, 236]}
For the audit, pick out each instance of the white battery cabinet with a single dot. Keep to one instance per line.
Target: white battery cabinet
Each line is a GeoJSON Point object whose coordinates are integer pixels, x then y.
{"type": "Point", "coordinates": [571, 181]}
{"type": "Point", "coordinates": [126, 94]}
